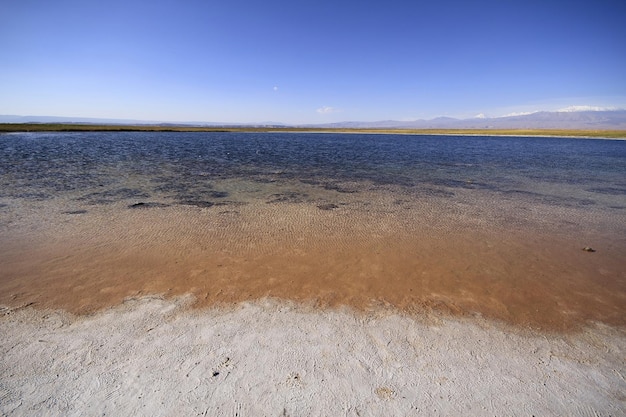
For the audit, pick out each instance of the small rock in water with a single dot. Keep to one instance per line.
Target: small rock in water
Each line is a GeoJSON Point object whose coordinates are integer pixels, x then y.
{"type": "Point", "coordinates": [327, 206]}
{"type": "Point", "coordinates": [589, 249]}
{"type": "Point", "coordinates": [141, 204]}
{"type": "Point", "coordinates": [75, 212]}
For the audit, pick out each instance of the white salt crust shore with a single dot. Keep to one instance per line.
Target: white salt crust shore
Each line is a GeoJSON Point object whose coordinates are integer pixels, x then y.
{"type": "Point", "coordinates": [155, 357]}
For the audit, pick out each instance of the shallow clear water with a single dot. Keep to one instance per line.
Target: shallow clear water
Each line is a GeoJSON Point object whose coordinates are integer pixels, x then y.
{"type": "Point", "coordinates": [206, 168]}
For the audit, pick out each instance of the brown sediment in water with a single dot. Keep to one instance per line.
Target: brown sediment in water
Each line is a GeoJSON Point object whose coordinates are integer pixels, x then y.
{"type": "Point", "coordinates": [415, 261]}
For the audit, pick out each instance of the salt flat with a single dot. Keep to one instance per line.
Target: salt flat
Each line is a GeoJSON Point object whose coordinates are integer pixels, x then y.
{"type": "Point", "coordinates": [152, 356]}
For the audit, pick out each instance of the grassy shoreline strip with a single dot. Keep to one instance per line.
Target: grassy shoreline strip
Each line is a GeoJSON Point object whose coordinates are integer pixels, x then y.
{"type": "Point", "coordinates": [68, 127]}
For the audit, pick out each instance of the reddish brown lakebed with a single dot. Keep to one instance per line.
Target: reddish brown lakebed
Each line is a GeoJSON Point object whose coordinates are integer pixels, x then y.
{"type": "Point", "coordinates": [414, 259]}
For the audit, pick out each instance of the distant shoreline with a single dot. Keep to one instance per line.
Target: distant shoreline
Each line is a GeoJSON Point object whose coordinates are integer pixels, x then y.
{"type": "Point", "coordinates": [69, 127]}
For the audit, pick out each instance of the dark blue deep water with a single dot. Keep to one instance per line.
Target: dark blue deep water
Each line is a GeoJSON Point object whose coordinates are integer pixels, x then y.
{"type": "Point", "coordinates": [100, 168]}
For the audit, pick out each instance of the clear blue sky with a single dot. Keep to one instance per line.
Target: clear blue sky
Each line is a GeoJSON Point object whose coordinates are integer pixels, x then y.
{"type": "Point", "coordinates": [308, 61]}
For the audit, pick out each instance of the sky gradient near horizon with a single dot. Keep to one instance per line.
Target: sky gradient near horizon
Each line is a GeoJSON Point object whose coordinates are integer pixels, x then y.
{"type": "Point", "coordinates": [240, 61]}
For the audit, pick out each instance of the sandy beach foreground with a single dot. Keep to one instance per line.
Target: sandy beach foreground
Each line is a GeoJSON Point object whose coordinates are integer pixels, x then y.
{"type": "Point", "coordinates": [150, 356]}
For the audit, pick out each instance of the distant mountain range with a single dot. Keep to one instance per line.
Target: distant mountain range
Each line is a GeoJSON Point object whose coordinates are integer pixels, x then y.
{"type": "Point", "coordinates": [612, 119]}
{"type": "Point", "coordinates": [604, 119]}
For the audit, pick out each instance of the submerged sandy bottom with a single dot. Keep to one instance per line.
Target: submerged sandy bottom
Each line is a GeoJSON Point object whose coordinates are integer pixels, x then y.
{"type": "Point", "coordinates": [151, 356]}
{"type": "Point", "coordinates": [523, 265]}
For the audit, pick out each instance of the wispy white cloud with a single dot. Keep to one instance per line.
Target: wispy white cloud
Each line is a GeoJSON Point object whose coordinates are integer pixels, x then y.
{"type": "Point", "coordinates": [585, 108]}
{"type": "Point", "coordinates": [327, 110]}
{"type": "Point", "coordinates": [480, 116]}
{"type": "Point", "coordinates": [559, 105]}
{"type": "Point", "coordinates": [275, 88]}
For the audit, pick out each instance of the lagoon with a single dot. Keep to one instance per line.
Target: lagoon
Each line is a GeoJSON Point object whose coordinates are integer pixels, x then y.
{"type": "Point", "coordinates": [455, 224]}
